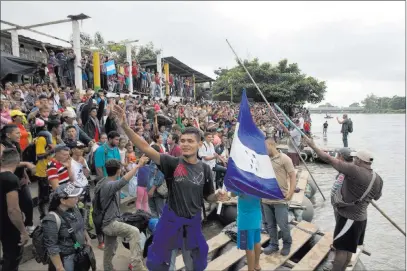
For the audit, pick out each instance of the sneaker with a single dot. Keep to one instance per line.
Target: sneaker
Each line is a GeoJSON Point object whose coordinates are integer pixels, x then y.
{"type": "Point", "coordinates": [92, 236]}
{"type": "Point", "coordinates": [286, 250]}
{"type": "Point", "coordinates": [30, 229]}
{"type": "Point", "coordinates": [270, 249]}
{"type": "Point", "coordinates": [101, 246]}
{"type": "Point", "coordinates": [139, 266]}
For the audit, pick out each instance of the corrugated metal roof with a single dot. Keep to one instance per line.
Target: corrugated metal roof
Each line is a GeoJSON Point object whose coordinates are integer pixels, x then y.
{"type": "Point", "coordinates": [6, 34]}
{"type": "Point", "coordinates": [178, 67]}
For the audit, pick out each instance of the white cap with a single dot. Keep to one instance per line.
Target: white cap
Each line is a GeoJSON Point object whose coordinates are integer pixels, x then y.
{"type": "Point", "coordinates": [69, 114]}
{"type": "Point", "coordinates": [363, 155]}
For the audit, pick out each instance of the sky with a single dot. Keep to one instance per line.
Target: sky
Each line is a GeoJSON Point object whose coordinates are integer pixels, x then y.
{"type": "Point", "coordinates": [358, 48]}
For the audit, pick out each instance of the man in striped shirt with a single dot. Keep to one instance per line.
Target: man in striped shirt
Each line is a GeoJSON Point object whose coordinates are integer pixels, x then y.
{"type": "Point", "coordinates": [59, 167]}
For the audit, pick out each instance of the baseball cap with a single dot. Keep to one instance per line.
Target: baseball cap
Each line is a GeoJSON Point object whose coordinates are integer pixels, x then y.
{"type": "Point", "coordinates": [75, 144]}
{"type": "Point", "coordinates": [69, 114]}
{"type": "Point", "coordinates": [363, 155]}
{"type": "Point", "coordinates": [14, 113]}
{"type": "Point", "coordinates": [68, 190]}
{"type": "Point", "coordinates": [346, 154]}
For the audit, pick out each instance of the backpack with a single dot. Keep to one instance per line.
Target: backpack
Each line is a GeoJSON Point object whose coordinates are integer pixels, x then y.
{"type": "Point", "coordinates": [29, 154]}
{"type": "Point", "coordinates": [98, 213]}
{"type": "Point", "coordinates": [39, 250]}
{"type": "Point", "coordinates": [350, 126]}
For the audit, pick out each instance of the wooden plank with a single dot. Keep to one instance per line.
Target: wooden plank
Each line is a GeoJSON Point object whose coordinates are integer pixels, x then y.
{"type": "Point", "coordinates": [315, 256]}
{"type": "Point", "coordinates": [301, 184]}
{"type": "Point", "coordinates": [355, 258]}
{"type": "Point", "coordinates": [299, 237]}
{"type": "Point", "coordinates": [227, 259]}
{"type": "Point", "coordinates": [214, 243]}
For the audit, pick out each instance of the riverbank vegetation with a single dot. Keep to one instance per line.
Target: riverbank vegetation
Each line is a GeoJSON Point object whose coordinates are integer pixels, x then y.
{"type": "Point", "coordinates": [375, 104]}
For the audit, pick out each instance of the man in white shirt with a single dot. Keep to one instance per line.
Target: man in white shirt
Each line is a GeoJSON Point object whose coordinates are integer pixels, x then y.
{"type": "Point", "coordinates": [301, 122]}
{"type": "Point", "coordinates": [296, 137]}
{"type": "Point", "coordinates": [207, 152]}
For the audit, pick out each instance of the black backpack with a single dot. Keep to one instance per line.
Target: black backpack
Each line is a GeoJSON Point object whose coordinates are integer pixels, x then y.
{"type": "Point", "coordinates": [350, 126]}
{"type": "Point", "coordinates": [98, 213]}
{"type": "Point", "coordinates": [29, 154]}
{"type": "Point", "coordinates": [39, 250]}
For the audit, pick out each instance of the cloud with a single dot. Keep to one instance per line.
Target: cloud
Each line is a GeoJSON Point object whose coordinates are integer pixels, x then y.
{"type": "Point", "coordinates": [356, 47]}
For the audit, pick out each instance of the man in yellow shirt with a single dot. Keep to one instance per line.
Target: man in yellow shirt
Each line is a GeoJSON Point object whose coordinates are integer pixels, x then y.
{"type": "Point", "coordinates": [43, 151]}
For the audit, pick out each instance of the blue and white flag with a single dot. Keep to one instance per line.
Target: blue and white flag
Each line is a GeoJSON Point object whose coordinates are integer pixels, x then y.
{"type": "Point", "coordinates": [249, 168]}
{"type": "Point", "coordinates": [110, 67]}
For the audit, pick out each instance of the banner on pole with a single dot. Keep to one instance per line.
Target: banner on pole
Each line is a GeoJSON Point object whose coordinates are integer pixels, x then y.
{"type": "Point", "coordinates": [110, 67]}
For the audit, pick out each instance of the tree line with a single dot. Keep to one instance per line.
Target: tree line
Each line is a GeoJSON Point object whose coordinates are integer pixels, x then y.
{"type": "Point", "coordinates": [283, 83]}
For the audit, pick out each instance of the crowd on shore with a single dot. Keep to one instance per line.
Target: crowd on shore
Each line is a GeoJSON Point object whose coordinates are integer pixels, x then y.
{"type": "Point", "coordinates": [57, 137]}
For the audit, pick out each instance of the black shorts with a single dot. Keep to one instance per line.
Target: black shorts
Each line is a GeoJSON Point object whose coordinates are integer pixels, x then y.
{"type": "Point", "coordinates": [348, 234]}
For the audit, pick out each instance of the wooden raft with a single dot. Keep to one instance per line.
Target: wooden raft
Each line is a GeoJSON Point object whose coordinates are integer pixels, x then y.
{"type": "Point", "coordinates": [230, 257]}
{"type": "Point", "coordinates": [299, 238]}
{"type": "Point", "coordinates": [214, 243]}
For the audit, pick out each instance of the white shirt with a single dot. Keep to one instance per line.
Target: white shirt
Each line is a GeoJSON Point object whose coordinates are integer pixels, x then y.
{"type": "Point", "coordinates": [301, 119]}
{"type": "Point", "coordinates": [205, 151]}
{"type": "Point", "coordinates": [296, 136]}
{"type": "Point", "coordinates": [77, 170]}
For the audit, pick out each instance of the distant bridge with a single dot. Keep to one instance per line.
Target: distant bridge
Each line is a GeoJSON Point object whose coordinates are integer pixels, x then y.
{"type": "Point", "coordinates": [325, 110]}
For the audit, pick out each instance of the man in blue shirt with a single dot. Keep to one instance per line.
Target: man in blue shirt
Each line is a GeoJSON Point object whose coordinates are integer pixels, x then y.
{"type": "Point", "coordinates": [107, 151]}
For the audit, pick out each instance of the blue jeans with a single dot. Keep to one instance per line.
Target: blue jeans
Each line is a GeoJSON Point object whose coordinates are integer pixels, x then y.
{"type": "Point", "coordinates": [345, 140]}
{"type": "Point", "coordinates": [187, 255]}
{"type": "Point", "coordinates": [277, 214]}
{"type": "Point", "coordinates": [156, 204]}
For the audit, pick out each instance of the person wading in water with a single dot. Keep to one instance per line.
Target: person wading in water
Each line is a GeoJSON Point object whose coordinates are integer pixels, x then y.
{"type": "Point", "coordinates": [189, 181]}
{"type": "Point", "coordinates": [345, 129]}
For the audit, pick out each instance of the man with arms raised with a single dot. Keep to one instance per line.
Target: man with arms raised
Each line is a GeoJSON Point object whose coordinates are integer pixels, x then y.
{"type": "Point", "coordinates": [360, 186]}
{"type": "Point", "coordinates": [189, 181]}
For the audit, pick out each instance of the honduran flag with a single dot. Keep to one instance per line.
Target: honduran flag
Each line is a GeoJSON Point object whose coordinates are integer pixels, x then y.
{"type": "Point", "coordinates": [249, 168]}
{"type": "Point", "coordinates": [110, 67]}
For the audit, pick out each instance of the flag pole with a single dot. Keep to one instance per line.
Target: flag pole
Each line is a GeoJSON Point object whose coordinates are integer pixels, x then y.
{"type": "Point", "coordinates": [275, 115]}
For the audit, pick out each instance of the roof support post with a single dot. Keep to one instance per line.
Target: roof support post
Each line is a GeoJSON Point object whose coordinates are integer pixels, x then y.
{"type": "Point", "coordinates": [15, 45]}
{"type": "Point", "coordinates": [76, 36]}
{"type": "Point", "coordinates": [128, 58]}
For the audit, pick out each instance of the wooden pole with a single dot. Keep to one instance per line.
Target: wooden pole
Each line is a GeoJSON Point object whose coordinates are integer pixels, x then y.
{"type": "Point", "coordinates": [388, 218]}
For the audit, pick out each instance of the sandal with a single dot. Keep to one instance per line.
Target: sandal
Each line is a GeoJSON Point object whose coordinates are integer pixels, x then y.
{"type": "Point", "coordinates": [257, 269]}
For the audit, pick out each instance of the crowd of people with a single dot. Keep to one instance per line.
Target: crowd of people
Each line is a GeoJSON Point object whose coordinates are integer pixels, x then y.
{"type": "Point", "coordinates": [60, 72]}
{"type": "Point", "coordinates": [59, 138]}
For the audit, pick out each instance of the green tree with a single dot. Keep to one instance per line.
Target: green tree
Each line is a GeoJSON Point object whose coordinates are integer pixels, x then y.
{"type": "Point", "coordinates": [147, 52]}
{"type": "Point", "coordinates": [283, 83]}
{"type": "Point", "coordinates": [398, 103]}
{"type": "Point", "coordinates": [354, 105]}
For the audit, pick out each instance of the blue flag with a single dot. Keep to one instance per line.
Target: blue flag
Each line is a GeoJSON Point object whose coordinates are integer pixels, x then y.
{"type": "Point", "coordinates": [110, 67]}
{"type": "Point", "coordinates": [249, 168]}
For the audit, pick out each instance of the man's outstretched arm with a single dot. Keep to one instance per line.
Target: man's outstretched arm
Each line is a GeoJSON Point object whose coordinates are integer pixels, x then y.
{"type": "Point", "coordinates": [137, 140]}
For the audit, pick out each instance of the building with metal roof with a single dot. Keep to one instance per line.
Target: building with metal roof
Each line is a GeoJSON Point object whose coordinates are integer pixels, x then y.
{"type": "Point", "coordinates": [177, 67]}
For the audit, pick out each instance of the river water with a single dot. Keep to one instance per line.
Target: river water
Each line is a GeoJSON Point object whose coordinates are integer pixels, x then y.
{"type": "Point", "coordinates": [384, 136]}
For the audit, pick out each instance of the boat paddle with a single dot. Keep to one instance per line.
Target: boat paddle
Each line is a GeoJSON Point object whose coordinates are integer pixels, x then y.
{"type": "Point", "coordinates": [387, 217]}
